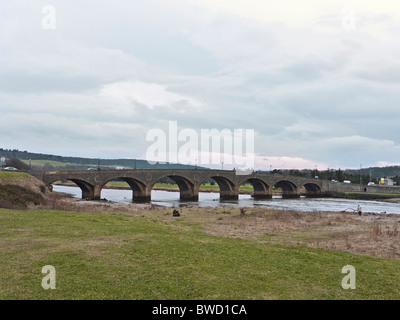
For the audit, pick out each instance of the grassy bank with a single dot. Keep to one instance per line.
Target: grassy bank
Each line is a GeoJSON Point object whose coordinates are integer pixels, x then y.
{"type": "Point", "coordinates": [157, 256]}
{"type": "Point", "coordinates": [18, 190]}
{"type": "Point", "coordinates": [8, 175]}
{"type": "Point", "coordinates": [364, 195]}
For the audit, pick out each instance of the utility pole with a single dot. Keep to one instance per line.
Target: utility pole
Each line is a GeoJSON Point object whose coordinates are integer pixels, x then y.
{"type": "Point", "coordinates": [360, 179]}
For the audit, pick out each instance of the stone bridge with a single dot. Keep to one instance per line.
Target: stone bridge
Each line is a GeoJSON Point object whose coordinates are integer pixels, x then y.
{"type": "Point", "coordinates": [142, 182]}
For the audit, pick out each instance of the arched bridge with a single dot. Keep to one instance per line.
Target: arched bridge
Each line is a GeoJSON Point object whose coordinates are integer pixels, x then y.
{"type": "Point", "coordinates": [142, 182]}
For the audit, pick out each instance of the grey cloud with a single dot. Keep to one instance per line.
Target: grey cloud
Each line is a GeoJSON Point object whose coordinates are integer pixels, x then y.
{"type": "Point", "coordinates": [314, 92]}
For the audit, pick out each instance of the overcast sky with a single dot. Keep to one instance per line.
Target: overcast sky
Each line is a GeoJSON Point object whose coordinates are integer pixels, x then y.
{"type": "Point", "coordinates": [318, 81]}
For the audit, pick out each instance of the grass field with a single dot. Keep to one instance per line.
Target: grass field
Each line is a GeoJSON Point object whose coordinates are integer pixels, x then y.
{"type": "Point", "coordinates": [122, 256]}
{"type": "Point", "coordinates": [42, 163]}
{"type": "Point", "coordinates": [373, 193]}
{"type": "Point", "coordinates": [7, 175]}
{"type": "Point", "coordinates": [58, 164]}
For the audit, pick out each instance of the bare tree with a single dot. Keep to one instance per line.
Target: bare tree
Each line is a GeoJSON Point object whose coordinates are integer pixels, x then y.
{"type": "Point", "coordinates": [17, 163]}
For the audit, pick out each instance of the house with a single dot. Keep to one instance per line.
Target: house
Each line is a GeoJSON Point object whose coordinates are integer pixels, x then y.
{"type": "Point", "coordinates": [385, 182]}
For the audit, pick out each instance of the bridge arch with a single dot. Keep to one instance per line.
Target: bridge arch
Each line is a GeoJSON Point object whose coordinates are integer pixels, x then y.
{"type": "Point", "coordinates": [139, 189]}
{"type": "Point", "coordinates": [88, 189]}
{"type": "Point", "coordinates": [227, 188]}
{"type": "Point", "coordinates": [312, 190]}
{"type": "Point", "coordinates": [187, 189]}
{"type": "Point", "coordinates": [261, 188]}
{"type": "Point", "coordinates": [289, 188]}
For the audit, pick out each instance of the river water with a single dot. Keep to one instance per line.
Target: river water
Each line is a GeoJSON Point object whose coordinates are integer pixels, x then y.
{"type": "Point", "coordinates": [206, 199]}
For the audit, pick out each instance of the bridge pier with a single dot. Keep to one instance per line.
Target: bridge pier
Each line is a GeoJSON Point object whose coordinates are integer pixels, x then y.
{"type": "Point", "coordinates": [290, 194]}
{"type": "Point", "coordinates": [97, 192]}
{"type": "Point", "coordinates": [229, 195]}
{"type": "Point", "coordinates": [190, 194]}
{"type": "Point", "coordinates": [91, 192]}
{"type": "Point", "coordinates": [88, 194]}
{"type": "Point", "coordinates": [261, 195]}
{"type": "Point", "coordinates": [141, 195]}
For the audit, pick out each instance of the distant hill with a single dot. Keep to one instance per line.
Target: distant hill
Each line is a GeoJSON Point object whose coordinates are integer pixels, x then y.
{"type": "Point", "coordinates": [51, 162]}
{"type": "Point", "coordinates": [377, 172]}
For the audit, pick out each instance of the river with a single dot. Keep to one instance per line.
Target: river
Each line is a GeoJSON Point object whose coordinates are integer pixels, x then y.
{"type": "Point", "coordinates": [207, 199]}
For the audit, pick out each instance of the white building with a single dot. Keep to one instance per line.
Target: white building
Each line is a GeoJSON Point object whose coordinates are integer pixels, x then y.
{"type": "Point", "coordinates": [385, 182]}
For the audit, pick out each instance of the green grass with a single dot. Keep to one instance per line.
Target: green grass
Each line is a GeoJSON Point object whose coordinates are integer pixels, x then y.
{"type": "Point", "coordinates": [373, 193]}
{"type": "Point", "coordinates": [14, 175]}
{"type": "Point", "coordinates": [118, 256]}
{"type": "Point", "coordinates": [42, 163]}
{"type": "Point", "coordinates": [117, 183]}
{"type": "Point", "coordinates": [57, 164]}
